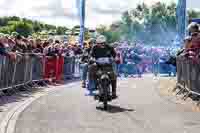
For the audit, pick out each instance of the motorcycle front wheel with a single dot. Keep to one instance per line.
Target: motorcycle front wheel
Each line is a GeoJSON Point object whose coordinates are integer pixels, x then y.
{"type": "Point", "coordinates": [105, 87]}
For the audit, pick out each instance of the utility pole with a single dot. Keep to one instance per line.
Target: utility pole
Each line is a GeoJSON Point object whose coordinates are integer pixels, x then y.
{"type": "Point", "coordinates": [181, 18]}
{"type": "Point", "coordinates": [82, 20]}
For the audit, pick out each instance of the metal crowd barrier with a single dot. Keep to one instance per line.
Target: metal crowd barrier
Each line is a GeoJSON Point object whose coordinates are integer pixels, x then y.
{"type": "Point", "coordinates": [1, 70]}
{"type": "Point", "coordinates": [76, 66]}
{"type": "Point", "coordinates": [7, 73]}
{"type": "Point", "coordinates": [22, 70]}
{"type": "Point", "coordinates": [188, 74]}
{"type": "Point", "coordinates": [128, 69]}
{"type": "Point", "coordinates": [69, 67]}
{"type": "Point", "coordinates": [29, 68]}
{"type": "Point", "coordinates": [37, 68]}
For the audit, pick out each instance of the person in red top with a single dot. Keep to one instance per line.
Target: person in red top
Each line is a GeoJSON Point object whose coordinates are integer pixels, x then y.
{"type": "Point", "coordinates": [118, 60]}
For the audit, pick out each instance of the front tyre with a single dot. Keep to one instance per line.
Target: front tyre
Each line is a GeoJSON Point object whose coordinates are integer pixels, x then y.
{"type": "Point", "coordinates": [105, 87]}
{"type": "Point", "coordinates": [105, 100]}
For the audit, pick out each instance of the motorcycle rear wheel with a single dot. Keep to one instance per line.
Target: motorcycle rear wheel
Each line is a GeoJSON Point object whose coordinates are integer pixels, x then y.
{"type": "Point", "coordinates": [105, 102]}
{"type": "Point", "coordinates": [105, 95]}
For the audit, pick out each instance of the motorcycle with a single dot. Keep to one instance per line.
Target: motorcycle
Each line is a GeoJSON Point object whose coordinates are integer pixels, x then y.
{"type": "Point", "coordinates": [103, 82]}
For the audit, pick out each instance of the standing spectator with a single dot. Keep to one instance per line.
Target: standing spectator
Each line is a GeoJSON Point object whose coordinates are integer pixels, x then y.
{"type": "Point", "coordinates": [3, 49]}
{"type": "Point", "coordinates": [85, 61]}
{"type": "Point", "coordinates": [155, 62]}
{"type": "Point", "coordinates": [47, 46]}
{"type": "Point", "coordinates": [137, 60]}
{"type": "Point", "coordinates": [28, 46]}
{"type": "Point", "coordinates": [77, 49]}
{"type": "Point", "coordinates": [11, 44]}
{"type": "Point", "coordinates": [193, 41]}
{"type": "Point", "coordinates": [4, 52]}
{"type": "Point", "coordinates": [39, 46]}
{"type": "Point", "coordinates": [19, 46]}
{"type": "Point", "coordinates": [118, 62]}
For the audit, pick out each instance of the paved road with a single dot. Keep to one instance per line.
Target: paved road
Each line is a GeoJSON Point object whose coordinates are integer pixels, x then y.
{"type": "Point", "coordinates": [139, 109]}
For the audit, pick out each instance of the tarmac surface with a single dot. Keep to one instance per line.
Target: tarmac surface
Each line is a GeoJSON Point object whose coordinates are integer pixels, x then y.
{"type": "Point", "coordinates": [139, 109]}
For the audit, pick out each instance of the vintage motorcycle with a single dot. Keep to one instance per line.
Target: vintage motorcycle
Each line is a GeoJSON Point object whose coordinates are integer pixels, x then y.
{"type": "Point", "coordinates": [103, 82]}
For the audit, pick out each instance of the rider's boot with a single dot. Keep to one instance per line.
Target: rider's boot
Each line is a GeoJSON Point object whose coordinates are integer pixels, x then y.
{"type": "Point", "coordinates": [114, 89]}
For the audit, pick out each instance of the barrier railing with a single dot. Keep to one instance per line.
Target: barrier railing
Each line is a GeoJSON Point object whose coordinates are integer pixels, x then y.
{"type": "Point", "coordinates": [188, 71]}
{"type": "Point", "coordinates": [69, 67]}
{"type": "Point", "coordinates": [29, 68]}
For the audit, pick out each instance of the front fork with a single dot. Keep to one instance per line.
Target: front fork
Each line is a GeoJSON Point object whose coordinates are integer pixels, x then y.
{"type": "Point", "coordinates": [103, 85]}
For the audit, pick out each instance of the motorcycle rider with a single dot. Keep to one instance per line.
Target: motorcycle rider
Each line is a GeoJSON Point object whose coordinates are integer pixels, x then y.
{"type": "Point", "coordinates": [102, 50]}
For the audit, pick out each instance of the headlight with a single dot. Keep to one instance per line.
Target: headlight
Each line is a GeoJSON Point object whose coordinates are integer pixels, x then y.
{"type": "Point", "coordinates": [99, 72]}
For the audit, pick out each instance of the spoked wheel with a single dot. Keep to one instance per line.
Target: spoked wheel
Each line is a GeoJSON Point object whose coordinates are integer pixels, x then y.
{"type": "Point", "coordinates": [105, 105]}
{"type": "Point", "coordinates": [105, 101]}
{"type": "Point", "coordinates": [105, 98]}
{"type": "Point", "coordinates": [105, 95]}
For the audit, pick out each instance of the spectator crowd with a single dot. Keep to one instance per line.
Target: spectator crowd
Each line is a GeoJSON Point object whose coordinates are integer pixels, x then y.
{"type": "Point", "coordinates": [12, 45]}
{"type": "Point", "coordinates": [140, 59]}
{"type": "Point", "coordinates": [51, 51]}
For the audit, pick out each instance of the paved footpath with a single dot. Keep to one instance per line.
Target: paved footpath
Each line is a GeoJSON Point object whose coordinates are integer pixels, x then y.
{"type": "Point", "coordinates": [139, 109]}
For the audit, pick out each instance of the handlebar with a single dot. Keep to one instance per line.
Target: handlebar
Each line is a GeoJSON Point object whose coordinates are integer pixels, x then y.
{"type": "Point", "coordinates": [101, 61]}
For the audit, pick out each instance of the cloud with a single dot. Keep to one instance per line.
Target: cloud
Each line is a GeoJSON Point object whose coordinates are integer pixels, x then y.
{"type": "Point", "coordinates": [54, 10]}
{"type": "Point", "coordinates": [64, 12]}
{"type": "Point", "coordinates": [193, 4]}
{"type": "Point", "coordinates": [106, 11]}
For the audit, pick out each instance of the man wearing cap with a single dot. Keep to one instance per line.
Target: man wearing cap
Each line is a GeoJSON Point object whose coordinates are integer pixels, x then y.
{"type": "Point", "coordinates": [193, 41]}
{"type": "Point", "coordinates": [101, 50]}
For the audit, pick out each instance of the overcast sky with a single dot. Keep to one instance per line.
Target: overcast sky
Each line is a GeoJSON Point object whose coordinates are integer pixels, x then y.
{"type": "Point", "coordinates": [64, 12]}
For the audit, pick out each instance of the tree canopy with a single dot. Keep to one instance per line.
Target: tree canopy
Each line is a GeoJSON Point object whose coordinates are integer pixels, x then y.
{"type": "Point", "coordinates": [28, 27]}
{"type": "Point", "coordinates": [155, 25]}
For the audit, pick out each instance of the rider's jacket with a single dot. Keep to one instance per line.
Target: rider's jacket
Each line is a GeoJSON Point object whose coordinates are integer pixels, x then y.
{"type": "Point", "coordinates": [103, 51]}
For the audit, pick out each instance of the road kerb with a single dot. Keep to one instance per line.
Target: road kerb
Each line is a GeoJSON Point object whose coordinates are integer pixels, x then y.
{"type": "Point", "coordinates": [8, 123]}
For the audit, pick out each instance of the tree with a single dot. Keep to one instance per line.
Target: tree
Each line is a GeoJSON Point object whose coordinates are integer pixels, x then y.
{"type": "Point", "coordinates": [3, 21]}
{"type": "Point", "coordinates": [87, 35]}
{"type": "Point", "coordinates": [193, 14]}
{"type": "Point", "coordinates": [37, 26]}
{"type": "Point", "coordinates": [101, 29]}
{"type": "Point", "coordinates": [23, 28]}
{"type": "Point", "coordinates": [5, 30]}
{"type": "Point", "coordinates": [61, 30]}
{"type": "Point", "coordinates": [109, 33]}
{"type": "Point", "coordinates": [149, 24]}
{"type": "Point", "coordinates": [154, 24]}
{"type": "Point", "coordinates": [14, 18]}
{"type": "Point", "coordinates": [27, 27]}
